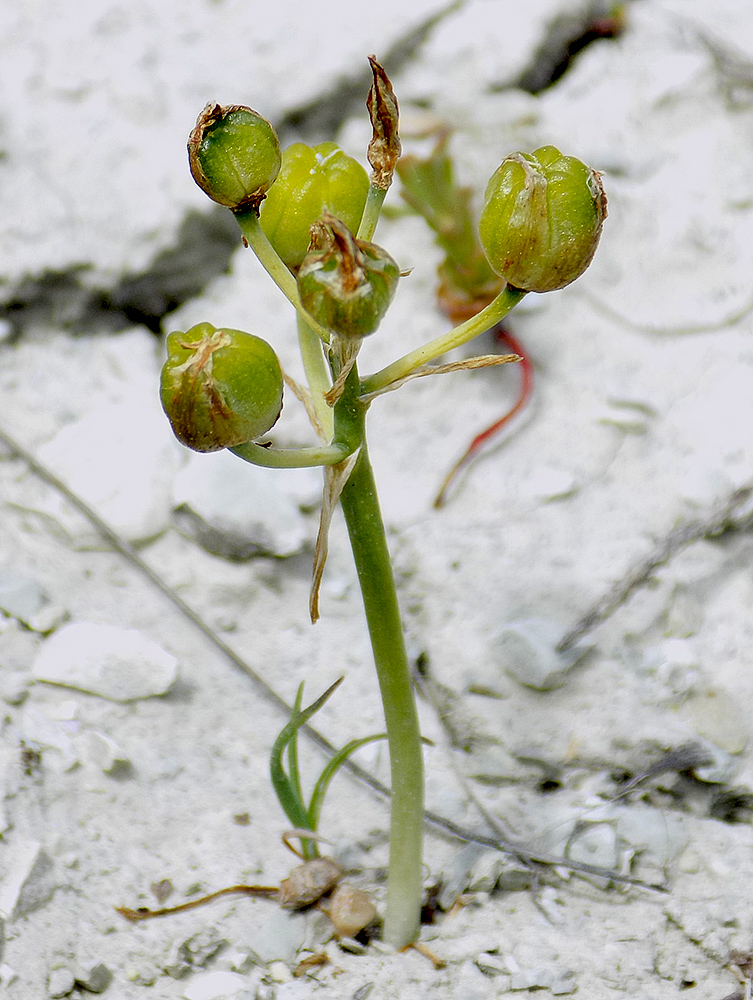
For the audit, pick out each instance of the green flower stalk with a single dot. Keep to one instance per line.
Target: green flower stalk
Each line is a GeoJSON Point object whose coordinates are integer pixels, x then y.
{"type": "Point", "coordinates": [220, 388]}
{"type": "Point", "coordinates": [542, 218]}
{"type": "Point", "coordinates": [234, 155]}
{"type": "Point", "coordinates": [312, 181]}
{"type": "Point", "coordinates": [223, 388]}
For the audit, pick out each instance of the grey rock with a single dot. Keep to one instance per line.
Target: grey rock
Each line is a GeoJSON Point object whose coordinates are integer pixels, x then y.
{"type": "Point", "coordinates": [237, 510]}
{"type": "Point", "coordinates": [104, 753]}
{"type": "Point", "coordinates": [526, 650]}
{"type": "Point", "coordinates": [20, 596]}
{"type": "Point", "coordinates": [60, 982]}
{"type": "Point", "coordinates": [279, 939]}
{"type": "Point", "coordinates": [594, 844]}
{"type": "Point", "coordinates": [456, 878]}
{"type": "Point", "coordinates": [95, 978]}
{"type": "Point", "coordinates": [30, 879]}
{"type": "Point", "coordinates": [114, 663]}
{"type": "Point", "coordinates": [121, 459]}
{"type": "Point", "coordinates": [554, 978]}
{"type": "Point", "coordinates": [193, 952]}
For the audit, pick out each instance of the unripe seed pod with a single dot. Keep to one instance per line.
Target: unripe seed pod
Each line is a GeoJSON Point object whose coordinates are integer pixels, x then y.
{"type": "Point", "coordinates": [348, 285]}
{"type": "Point", "coordinates": [312, 182]}
{"type": "Point", "coordinates": [234, 155]}
{"type": "Point", "coordinates": [542, 218]}
{"type": "Point", "coordinates": [220, 388]}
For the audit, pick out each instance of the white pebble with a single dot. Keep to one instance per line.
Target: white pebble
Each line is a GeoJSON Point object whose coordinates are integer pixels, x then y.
{"type": "Point", "coordinates": [114, 663]}
{"type": "Point", "coordinates": [214, 985]}
{"type": "Point", "coordinates": [527, 650]}
{"type": "Point", "coordinates": [60, 982]}
{"type": "Point", "coordinates": [547, 483]}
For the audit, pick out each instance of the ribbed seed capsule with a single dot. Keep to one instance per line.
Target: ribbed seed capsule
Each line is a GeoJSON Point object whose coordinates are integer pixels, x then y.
{"type": "Point", "coordinates": [542, 218]}
{"type": "Point", "coordinates": [234, 155]}
{"type": "Point", "coordinates": [312, 181]}
{"type": "Point", "coordinates": [348, 285]}
{"type": "Point", "coordinates": [220, 388]}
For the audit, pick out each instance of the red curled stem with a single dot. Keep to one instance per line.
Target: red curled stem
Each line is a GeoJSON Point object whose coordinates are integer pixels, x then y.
{"type": "Point", "coordinates": [505, 339]}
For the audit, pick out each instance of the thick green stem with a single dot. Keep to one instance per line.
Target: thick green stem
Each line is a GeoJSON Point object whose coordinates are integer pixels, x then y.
{"type": "Point", "coordinates": [367, 538]}
{"type": "Point", "coordinates": [456, 337]}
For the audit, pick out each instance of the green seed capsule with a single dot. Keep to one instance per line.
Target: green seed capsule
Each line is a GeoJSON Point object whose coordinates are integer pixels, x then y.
{"type": "Point", "coordinates": [220, 388]}
{"type": "Point", "coordinates": [542, 218]}
{"type": "Point", "coordinates": [346, 284]}
{"type": "Point", "coordinates": [234, 155]}
{"type": "Point", "coordinates": [310, 183]}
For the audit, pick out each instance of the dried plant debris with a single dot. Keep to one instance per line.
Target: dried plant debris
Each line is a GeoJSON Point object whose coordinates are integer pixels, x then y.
{"type": "Point", "coordinates": [732, 515]}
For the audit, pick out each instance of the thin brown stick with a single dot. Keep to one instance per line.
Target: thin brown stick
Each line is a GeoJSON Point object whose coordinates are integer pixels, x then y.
{"type": "Point", "coordinates": [261, 891]}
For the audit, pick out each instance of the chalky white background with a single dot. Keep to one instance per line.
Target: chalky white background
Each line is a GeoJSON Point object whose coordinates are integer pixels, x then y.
{"type": "Point", "coordinates": [642, 420]}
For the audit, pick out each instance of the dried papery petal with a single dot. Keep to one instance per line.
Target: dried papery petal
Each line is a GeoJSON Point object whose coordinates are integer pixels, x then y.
{"type": "Point", "coordinates": [350, 910]}
{"type": "Point", "coordinates": [385, 147]}
{"type": "Point", "coordinates": [309, 882]}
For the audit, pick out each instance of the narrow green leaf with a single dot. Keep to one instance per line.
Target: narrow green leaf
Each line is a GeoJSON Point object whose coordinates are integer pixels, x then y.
{"type": "Point", "coordinates": [287, 793]}
{"type": "Point", "coordinates": [330, 770]}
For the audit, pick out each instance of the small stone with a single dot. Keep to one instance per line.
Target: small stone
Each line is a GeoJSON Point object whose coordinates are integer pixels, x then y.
{"type": "Point", "coordinates": [547, 483]}
{"type": "Point", "coordinates": [20, 596]}
{"type": "Point", "coordinates": [679, 666]}
{"type": "Point", "coordinates": [350, 909]}
{"type": "Point", "coordinates": [527, 650]}
{"type": "Point", "coordinates": [595, 844]}
{"type": "Point", "coordinates": [279, 938]}
{"type": "Point", "coordinates": [722, 769]}
{"type": "Point", "coordinates": [8, 975]}
{"type": "Point", "coordinates": [193, 952]}
{"type": "Point", "coordinates": [531, 979]}
{"type": "Point", "coordinates": [114, 663]}
{"type": "Point", "coordinates": [60, 982]}
{"type": "Point", "coordinates": [29, 882]}
{"type": "Point", "coordinates": [716, 716]}
{"type": "Point", "coordinates": [492, 965]}
{"type": "Point", "coordinates": [94, 978]}
{"type": "Point", "coordinates": [215, 986]}
{"type": "Point", "coordinates": [104, 753]}
{"type": "Point", "coordinates": [42, 733]}
{"type": "Point", "coordinates": [280, 973]}
{"type": "Point", "coordinates": [455, 879]}
{"type": "Point", "coordinates": [564, 982]}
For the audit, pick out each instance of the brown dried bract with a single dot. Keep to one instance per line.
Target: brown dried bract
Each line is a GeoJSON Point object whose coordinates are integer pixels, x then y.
{"type": "Point", "coordinates": [384, 148]}
{"type": "Point", "coordinates": [309, 882]}
{"type": "Point", "coordinates": [350, 910]}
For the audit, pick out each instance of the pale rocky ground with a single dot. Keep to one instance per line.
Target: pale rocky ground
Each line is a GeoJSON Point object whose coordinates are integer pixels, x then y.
{"type": "Point", "coordinates": [641, 423]}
